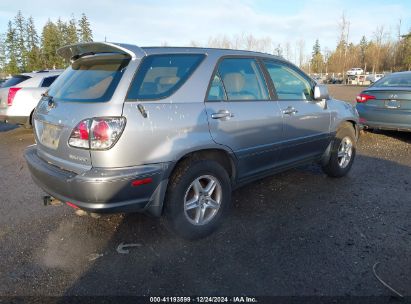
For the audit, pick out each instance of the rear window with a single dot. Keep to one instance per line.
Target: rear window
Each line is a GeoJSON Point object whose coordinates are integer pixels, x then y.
{"type": "Point", "coordinates": [398, 80]}
{"type": "Point", "coordinates": [15, 80]}
{"type": "Point", "coordinates": [90, 79]}
{"type": "Point", "coordinates": [159, 76]}
{"type": "Point", "coordinates": [48, 81]}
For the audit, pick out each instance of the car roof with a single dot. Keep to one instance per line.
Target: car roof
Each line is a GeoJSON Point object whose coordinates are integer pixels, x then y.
{"type": "Point", "coordinates": [70, 51]}
{"type": "Point", "coordinates": [401, 73]}
{"type": "Point", "coordinates": [43, 73]}
{"type": "Point", "coordinates": [151, 50]}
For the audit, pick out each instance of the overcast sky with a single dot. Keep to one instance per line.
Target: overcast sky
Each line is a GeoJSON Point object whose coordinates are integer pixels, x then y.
{"type": "Point", "coordinates": [178, 22]}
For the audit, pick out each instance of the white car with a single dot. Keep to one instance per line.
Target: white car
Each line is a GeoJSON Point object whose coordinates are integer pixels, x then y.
{"type": "Point", "coordinates": [374, 77]}
{"type": "Point", "coordinates": [20, 94]}
{"type": "Point", "coordinates": [355, 72]}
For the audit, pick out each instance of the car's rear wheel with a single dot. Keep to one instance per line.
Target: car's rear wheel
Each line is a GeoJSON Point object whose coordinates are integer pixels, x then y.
{"type": "Point", "coordinates": [198, 198]}
{"type": "Point", "coordinates": [342, 153]}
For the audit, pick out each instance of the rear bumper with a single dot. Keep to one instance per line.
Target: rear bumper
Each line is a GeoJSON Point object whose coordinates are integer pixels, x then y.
{"type": "Point", "coordinates": [102, 190]}
{"type": "Point", "coordinates": [384, 119]}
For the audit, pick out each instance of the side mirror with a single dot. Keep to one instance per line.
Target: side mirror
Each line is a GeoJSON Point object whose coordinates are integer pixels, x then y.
{"type": "Point", "coordinates": [321, 92]}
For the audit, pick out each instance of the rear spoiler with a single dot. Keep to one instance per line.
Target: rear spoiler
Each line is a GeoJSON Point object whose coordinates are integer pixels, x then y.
{"type": "Point", "coordinates": [74, 50]}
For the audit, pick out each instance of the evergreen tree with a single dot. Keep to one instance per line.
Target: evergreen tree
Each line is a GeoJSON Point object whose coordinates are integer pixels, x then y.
{"type": "Point", "coordinates": [32, 46]}
{"type": "Point", "coordinates": [50, 42]}
{"type": "Point", "coordinates": [71, 34]}
{"type": "Point", "coordinates": [23, 50]}
{"type": "Point", "coordinates": [363, 49]}
{"type": "Point", "coordinates": [84, 31]}
{"type": "Point", "coordinates": [2, 53]}
{"type": "Point", "coordinates": [317, 60]}
{"type": "Point", "coordinates": [406, 52]}
{"type": "Point", "coordinates": [20, 32]}
{"type": "Point", "coordinates": [11, 46]}
{"type": "Point", "coordinates": [62, 40]}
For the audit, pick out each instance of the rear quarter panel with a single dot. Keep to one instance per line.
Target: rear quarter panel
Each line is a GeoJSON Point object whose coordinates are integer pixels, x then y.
{"type": "Point", "coordinates": [168, 133]}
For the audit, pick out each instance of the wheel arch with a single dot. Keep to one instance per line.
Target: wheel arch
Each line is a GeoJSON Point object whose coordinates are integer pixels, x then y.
{"type": "Point", "coordinates": [225, 158]}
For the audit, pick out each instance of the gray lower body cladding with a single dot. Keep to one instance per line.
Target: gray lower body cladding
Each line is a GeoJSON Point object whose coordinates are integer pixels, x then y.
{"type": "Point", "coordinates": [103, 190]}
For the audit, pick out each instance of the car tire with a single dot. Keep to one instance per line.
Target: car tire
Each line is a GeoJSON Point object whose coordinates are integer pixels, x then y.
{"type": "Point", "coordinates": [343, 150]}
{"type": "Point", "coordinates": [190, 211]}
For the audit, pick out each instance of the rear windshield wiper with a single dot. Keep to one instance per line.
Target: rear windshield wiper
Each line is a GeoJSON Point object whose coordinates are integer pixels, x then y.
{"type": "Point", "coordinates": [75, 57]}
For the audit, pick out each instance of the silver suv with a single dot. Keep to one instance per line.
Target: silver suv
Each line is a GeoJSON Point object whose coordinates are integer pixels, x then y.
{"type": "Point", "coordinates": [173, 130]}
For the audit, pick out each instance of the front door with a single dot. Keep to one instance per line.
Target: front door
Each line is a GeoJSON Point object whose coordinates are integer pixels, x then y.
{"type": "Point", "coordinates": [306, 122]}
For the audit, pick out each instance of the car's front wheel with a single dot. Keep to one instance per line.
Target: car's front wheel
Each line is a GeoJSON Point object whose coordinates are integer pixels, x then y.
{"type": "Point", "coordinates": [343, 149]}
{"type": "Point", "coordinates": [197, 199]}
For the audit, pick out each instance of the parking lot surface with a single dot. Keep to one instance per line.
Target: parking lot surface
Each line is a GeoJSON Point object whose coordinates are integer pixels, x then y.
{"type": "Point", "coordinates": [296, 233]}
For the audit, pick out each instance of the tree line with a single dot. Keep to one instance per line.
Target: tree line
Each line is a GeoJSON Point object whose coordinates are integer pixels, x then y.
{"type": "Point", "coordinates": [23, 49]}
{"type": "Point", "coordinates": [378, 53]}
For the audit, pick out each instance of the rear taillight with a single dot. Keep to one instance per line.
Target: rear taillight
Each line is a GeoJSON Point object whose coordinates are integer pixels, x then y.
{"type": "Point", "coordinates": [12, 94]}
{"type": "Point", "coordinates": [97, 133]}
{"type": "Point", "coordinates": [364, 98]}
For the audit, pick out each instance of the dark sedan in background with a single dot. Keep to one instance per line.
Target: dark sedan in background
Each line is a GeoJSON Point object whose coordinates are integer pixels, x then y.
{"type": "Point", "coordinates": [387, 103]}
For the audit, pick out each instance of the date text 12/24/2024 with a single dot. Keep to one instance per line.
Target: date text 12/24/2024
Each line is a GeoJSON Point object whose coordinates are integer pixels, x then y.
{"type": "Point", "coordinates": [240, 299]}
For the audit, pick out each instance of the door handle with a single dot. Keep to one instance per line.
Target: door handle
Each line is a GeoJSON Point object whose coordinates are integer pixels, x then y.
{"type": "Point", "coordinates": [222, 114]}
{"type": "Point", "coordinates": [290, 111]}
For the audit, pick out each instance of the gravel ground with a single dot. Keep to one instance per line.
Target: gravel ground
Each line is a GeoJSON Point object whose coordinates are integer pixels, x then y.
{"type": "Point", "coordinates": [296, 233]}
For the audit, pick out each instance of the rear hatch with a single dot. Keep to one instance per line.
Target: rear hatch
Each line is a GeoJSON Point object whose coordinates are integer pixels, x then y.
{"type": "Point", "coordinates": [389, 98]}
{"type": "Point", "coordinates": [389, 105]}
{"type": "Point", "coordinates": [88, 88]}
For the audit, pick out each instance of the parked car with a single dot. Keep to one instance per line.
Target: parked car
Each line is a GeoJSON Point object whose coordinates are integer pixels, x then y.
{"type": "Point", "coordinates": [335, 80]}
{"type": "Point", "coordinates": [20, 94]}
{"type": "Point", "coordinates": [355, 72]}
{"type": "Point", "coordinates": [173, 130]}
{"type": "Point", "coordinates": [374, 77]}
{"type": "Point", "coordinates": [387, 103]}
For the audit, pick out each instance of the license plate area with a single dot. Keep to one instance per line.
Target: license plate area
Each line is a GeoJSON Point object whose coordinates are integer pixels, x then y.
{"type": "Point", "coordinates": [48, 134]}
{"type": "Point", "coordinates": [392, 104]}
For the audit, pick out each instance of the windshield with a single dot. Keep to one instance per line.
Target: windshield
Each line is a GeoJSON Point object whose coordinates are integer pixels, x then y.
{"type": "Point", "coordinates": [15, 80]}
{"type": "Point", "coordinates": [90, 79]}
{"type": "Point", "coordinates": [394, 80]}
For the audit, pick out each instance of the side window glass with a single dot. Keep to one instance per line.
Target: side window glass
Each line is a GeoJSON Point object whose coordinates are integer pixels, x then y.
{"type": "Point", "coordinates": [242, 79]}
{"type": "Point", "coordinates": [48, 81]}
{"type": "Point", "coordinates": [289, 85]}
{"type": "Point", "coordinates": [217, 91]}
{"type": "Point", "coordinates": [159, 76]}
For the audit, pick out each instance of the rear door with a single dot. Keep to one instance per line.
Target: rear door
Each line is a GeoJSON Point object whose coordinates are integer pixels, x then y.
{"type": "Point", "coordinates": [85, 90]}
{"type": "Point", "coordinates": [242, 115]}
{"type": "Point", "coordinates": [306, 122]}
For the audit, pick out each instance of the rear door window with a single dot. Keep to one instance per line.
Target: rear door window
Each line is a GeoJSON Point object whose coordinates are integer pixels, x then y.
{"type": "Point", "coordinates": [15, 80]}
{"type": "Point", "coordinates": [90, 79]}
{"type": "Point", "coordinates": [159, 76]}
{"type": "Point", "coordinates": [48, 81]}
{"type": "Point", "coordinates": [242, 80]}
{"type": "Point", "coordinates": [217, 91]}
